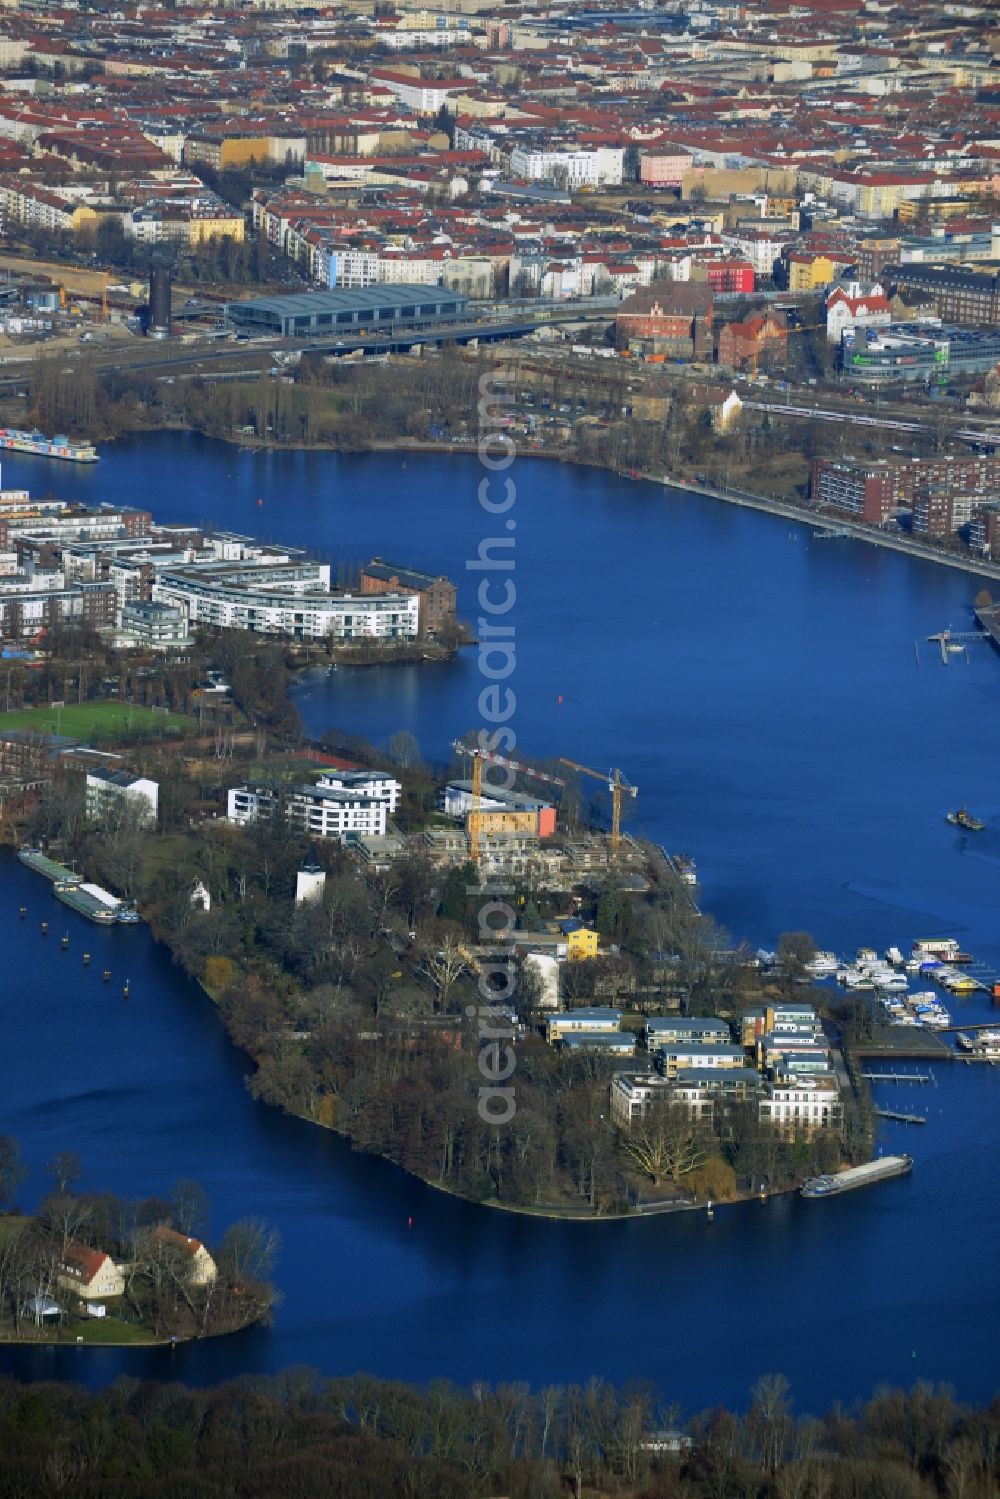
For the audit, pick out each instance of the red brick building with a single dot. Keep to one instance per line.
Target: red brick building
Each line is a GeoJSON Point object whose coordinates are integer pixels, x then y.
{"type": "Point", "coordinates": [436, 596]}
{"type": "Point", "coordinates": [872, 492]}
{"type": "Point", "coordinates": [669, 317]}
{"type": "Point", "coordinates": [761, 340]}
{"type": "Point", "coordinates": [943, 493]}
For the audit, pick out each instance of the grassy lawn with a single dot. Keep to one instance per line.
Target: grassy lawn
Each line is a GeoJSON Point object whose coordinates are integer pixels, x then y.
{"type": "Point", "coordinates": [107, 1330]}
{"type": "Point", "coordinates": [97, 721]}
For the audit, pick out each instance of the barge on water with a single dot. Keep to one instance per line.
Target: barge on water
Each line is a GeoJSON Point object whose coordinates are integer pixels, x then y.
{"type": "Point", "coordinates": [857, 1176]}
{"type": "Point", "coordinates": [47, 447]}
{"type": "Point", "coordinates": [42, 864]}
{"type": "Point", "coordinates": [90, 901]}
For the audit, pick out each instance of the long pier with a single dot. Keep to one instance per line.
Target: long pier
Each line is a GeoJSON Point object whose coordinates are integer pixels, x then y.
{"type": "Point", "coordinates": [899, 1118]}
{"type": "Point", "coordinates": [898, 1077]}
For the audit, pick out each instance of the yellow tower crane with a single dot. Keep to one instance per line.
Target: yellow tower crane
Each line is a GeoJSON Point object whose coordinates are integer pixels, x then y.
{"type": "Point", "coordinates": [617, 785]}
{"type": "Point", "coordinates": [478, 757]}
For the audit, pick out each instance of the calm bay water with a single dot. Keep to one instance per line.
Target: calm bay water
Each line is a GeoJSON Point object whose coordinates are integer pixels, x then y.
{"type": "Point", "coordinates": [761, 689]}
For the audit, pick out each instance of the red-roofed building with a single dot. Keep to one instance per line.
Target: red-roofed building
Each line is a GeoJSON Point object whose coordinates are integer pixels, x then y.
{"type": "Point", "coordinates": [203, 1269]}
{"type": "Point", "coordinates": [850, 308]}
{"type": "Point", "coordinates": [91, 1273]}
{"type": "Point", "coordinates": [762, 339]}
{"type": "Point", "coordinates": [672, 317]}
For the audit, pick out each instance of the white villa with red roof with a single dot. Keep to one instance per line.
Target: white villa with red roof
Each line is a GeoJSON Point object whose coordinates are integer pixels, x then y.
{"type": "Point", "coordinates": [90, 1273]}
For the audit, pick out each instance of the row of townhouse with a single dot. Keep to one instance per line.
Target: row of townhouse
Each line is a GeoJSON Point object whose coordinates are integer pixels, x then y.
{"type": "Point", "coordinates": [782, 1062]}
{"type": "Point", "coordinates": [33, 205]}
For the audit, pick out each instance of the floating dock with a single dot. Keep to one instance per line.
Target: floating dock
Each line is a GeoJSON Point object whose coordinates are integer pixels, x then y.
{"type": "Point", "coordinates": [34, 859]}
{"type": "Point", "coordinates": [857, 1176]}
{"type": "Point", "coordinates": [47, 447]}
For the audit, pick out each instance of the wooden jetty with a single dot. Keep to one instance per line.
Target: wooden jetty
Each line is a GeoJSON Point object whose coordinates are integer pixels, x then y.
{"type": "Point", "coordinates": [900, 1118]}
{"type": "Point", "coordinates": [898, 1077]}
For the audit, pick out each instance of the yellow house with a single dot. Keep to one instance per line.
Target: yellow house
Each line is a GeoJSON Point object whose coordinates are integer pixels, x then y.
{"type": "Point", "coordinates": [221, 225]}
{"type": "Point", "coordinates": [581, 943]}
{"type": "Point", "coordinates": [806, 272]}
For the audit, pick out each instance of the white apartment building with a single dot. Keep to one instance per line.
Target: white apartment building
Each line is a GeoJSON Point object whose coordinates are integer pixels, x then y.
{"type": "Point", "coordinates": [110, 792]}
{"type": "Point", "coordinates": [796, 1101]}
{"type": "Point", "coordinates": [155, 627]}
{"type": "Point", "coordinates": [287, 600]}
{"type": "Point", "coordinates": [424, 96]}
{"type": "Point", "coordinates": [321, 811]}
{"type": "Point", "coordinates": [575, 167]}
{"type": "Point", "coordinates": [632, 1095]}
{"type": "Point", "coordinates": [678, 1055]}
{"type": "Point", "coordinates": [347, 267]}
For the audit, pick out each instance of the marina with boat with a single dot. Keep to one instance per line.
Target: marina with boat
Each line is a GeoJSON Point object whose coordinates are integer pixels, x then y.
{"type": "Point", "coordinates": [936, 960]}
{"type": "Point", "coordinates": [40, 446]}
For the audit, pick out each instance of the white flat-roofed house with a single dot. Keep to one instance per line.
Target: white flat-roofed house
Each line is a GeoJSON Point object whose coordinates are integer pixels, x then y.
{"type": "Point", "coordinates": [594, 1019]}
{"type": "Point", "coordinates": [700, 1030]}
{"type": "Point", "coordinates": [699, 1087]}
{"type": "Point", "coordinates": [793, 1017]}
{"type": "Point", "coordinates": [545, 968]}
{"type": "Point", "coordinates": [784, 1058]}
{"type": "Point", "coordinates": [316, 811]}
{"type": "Point", "coordinates": [632, 1095]}
{"type": "Point", "coordinates": [157, 627]}
{"type": "Point", "coordinates": [682, 1054]}
{"type": "Point", "coordinates": [803, 1102]}
{"type": "Point", "coordinates": [377, 784]}
{"type": "Point", "coordinates": [616, 1043]}
{"type": "Point", "coordinates": [110, 792]}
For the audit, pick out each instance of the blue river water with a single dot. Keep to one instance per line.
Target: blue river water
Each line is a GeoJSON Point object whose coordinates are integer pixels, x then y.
{"type": "Point", "coordinates": [762, 689]}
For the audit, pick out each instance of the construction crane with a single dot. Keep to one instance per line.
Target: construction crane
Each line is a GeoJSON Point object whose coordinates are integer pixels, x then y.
{"type": "Point", "coordinates": [478, 758]}
{"type": "Point", "coordinates": [616, 784]}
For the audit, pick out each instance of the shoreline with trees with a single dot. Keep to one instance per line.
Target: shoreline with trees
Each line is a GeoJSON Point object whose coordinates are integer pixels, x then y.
{"type": "Point", "coordinates": [91, 1268]}
{"type": "Point", "coordinates": [354, 1008]}
{"type": "Point", "coordinates": [300, 1434]}
{"type": "Point", "coordinates": [422, 406]}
